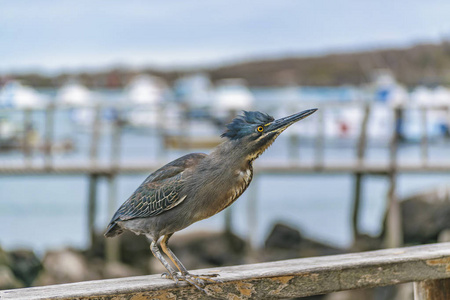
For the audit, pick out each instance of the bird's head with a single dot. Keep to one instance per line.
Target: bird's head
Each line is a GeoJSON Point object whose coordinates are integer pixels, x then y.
{"type": "Point", "coordinates": [255, 131]}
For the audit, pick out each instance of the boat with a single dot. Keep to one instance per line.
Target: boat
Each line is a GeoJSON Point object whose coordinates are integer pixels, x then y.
{"type": "Point", "coordinates": [194, 93]}
{"type": "Point", "coordinates": [18, 96]}
{"type": "Point", "coordinates": [194, 90]}
{"type": "Point", "coordinates": [231, 96]}
{"type": "Point", "coordinates": [80, 100]}
{"type": "Point", "coordinates": [74, 94]}
{"type": "Point", "coordinates": [145, 96]}
{"type": "Point", "coordinates": [9, 134]}
{"type": "Point", "coordinates": [435, 104]}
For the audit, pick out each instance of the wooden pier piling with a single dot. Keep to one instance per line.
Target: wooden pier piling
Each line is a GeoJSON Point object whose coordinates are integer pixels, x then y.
{"type": "Point", "coordinates": [92, 207]}
{"type": "Point", "coordinates": [358, 177]}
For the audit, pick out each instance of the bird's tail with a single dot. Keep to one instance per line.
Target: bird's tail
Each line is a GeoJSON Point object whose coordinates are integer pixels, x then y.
{"type": "Point", "coordinates": [113, 230]}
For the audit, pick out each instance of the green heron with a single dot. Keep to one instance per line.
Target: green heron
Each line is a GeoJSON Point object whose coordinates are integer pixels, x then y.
{"type": "Point", "coordinates": [197, 186]}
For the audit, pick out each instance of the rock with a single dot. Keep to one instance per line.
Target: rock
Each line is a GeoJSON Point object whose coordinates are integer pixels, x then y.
{"type": "Point", "coordinates": [8, 280]}
{"type": "Point", "coordinates": [425, 215]}
{"type": "Point", "coordinates": [5, 260]}
{"type": "Point", "coordinates": [65, 266]}
{"type": "Point", "coordinates": [25, 265]}
{"type": "Point", "coordinates": [285, 242]}
{"type": "Point", "coordinates": [134, 250]}
{"type": "Point", "coordinates": [208, 249]}
{"type": "Point", "coordinates": [365, 242]}
{"type": "Point", "coordinates": [284, 237]}
{"type": "Point", "coordinates": [117, 269]}
{"type": "Point", "coordinates": [444, 236]}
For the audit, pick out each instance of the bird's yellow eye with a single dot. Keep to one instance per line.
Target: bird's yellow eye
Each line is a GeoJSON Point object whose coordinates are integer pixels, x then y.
{"type": "Point", "coordinates": [260, 129]}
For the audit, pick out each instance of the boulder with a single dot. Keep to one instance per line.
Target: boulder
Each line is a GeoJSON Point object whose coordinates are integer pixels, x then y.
{"type": "Point", "coordinates": [65, 266]}
{"type": "Point", "coordinates": [4, 258]}
{"type": "Point", "coordinates": [25, 265]}
{"type": "Point", "coordinates": [208, 249]}
{"type": "Point", "coordinates": [285, 242]}
{"type": "Point", "coordinates": [364, 242]}
{"type": "Point", "coordinates": [134, 250]}
{"type": "Point", "coordinates": [425, 216]}
{"type": "Point", "coordinates": [284, 237]}
{"type": "Point", "coordinates": [117, 269]}
{"type": "Point", "coordinates": [8, 280]}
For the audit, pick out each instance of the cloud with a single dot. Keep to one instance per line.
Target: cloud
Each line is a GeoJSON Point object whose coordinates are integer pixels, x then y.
{"type": "Point", "coordinates": [54, 34]}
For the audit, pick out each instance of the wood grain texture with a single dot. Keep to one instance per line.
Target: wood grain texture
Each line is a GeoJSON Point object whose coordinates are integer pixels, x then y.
{"type": "Point", "coordinates": [280, 279]}
{"type": "Point", "coordinates": [432, 289]}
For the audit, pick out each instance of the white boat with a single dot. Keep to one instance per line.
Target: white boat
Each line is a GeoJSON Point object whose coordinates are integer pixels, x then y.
{"type": "Point", "coordinates": [194, 90]}
{"type": "Point", "coordinates": [145, 94]}
{"type": "Point", "coordinates": [230, 97]}
{"type": "Point", "coordinates": [9, 133]}
{"type": "Point", "coordinates": [80, 99]}
{"type": "Point", "coordinates": [145, 90]}
{"type": "Point", "coordinates": [436, 102]}
{"type": "Point", "coordinates": [15, 95]}
{"type": "Point", "coordinates": [76, 94]}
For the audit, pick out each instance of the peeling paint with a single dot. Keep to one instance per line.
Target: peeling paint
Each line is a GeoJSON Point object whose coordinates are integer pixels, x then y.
{"type": "Point", "coordinates": [214, 288]}
{"type": "Point", "coordinates": [161, 296]}
{"type": "Point", "coordinates": [233, 297]}
{"type": "Point", "coordinates": [440, 262]}
{"type": "Point", "coordinates": [369, 278]}
{"type": "Point", "coordinates": [284, 280]}
{"type": "Point", "coordinates": [141, 297]}
{"type": "Point", "coordinates": [313, 276]}
{"type": "Point", "coordinates": [245, 289]}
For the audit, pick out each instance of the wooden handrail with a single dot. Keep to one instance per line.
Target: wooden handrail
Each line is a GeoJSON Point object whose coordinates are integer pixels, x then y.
{"type": "Point", "coordinates": [280, 279]}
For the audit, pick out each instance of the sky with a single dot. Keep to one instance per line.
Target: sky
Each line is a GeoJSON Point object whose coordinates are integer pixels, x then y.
{"type": "Point", "coordinates": [53, 36]}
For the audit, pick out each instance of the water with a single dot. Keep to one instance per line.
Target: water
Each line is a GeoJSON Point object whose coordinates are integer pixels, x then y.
{"type": "Point", "coordinates": [47, 211]}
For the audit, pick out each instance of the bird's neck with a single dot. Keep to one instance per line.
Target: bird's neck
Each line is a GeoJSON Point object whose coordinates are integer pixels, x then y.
{"type": "Point", "coordinates": [233, 154]}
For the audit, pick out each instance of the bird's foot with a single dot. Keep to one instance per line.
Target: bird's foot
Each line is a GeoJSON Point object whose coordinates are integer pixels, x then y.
{"type": "Point", "coordinates": [174, 276]}
{"type": "Point", "coordinates": [198, 281]}
{"type": "Point", "coordinates": [206, 277]}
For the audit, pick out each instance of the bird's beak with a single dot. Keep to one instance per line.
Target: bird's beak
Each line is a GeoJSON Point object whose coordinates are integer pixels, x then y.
{"type": "Point", "coordinates": [283, 123]}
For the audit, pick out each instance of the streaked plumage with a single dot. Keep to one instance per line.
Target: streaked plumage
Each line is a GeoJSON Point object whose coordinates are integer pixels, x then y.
{"type": "Point", "coordinates": [159, 192]}
{"type": "Point", "coordinates": [197, 186]}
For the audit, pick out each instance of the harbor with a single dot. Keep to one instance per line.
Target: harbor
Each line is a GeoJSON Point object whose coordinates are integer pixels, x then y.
{"type": "Point", "coordinates": [325, 125]}
{"type": "Point", "coordinates": [108, 148]}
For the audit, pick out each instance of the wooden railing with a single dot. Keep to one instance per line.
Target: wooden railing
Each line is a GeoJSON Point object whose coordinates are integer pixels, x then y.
{"type": "Point", "coordinates": [427, 266]}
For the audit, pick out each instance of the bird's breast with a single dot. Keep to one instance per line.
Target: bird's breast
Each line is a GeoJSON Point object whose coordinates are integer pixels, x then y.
{"type": "Point", "coordinates": [224, 193]}
{"type": "Point", "coordinates": [242, 180]}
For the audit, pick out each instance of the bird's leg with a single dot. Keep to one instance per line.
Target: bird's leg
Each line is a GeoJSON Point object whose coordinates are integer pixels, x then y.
{"type": "Point", "coordinates": [171, 272]}
{"type": "Point", "coordinates": [171, 255]}
{"type": "Point", "coordinates": [200, 279]}
{"type": "Point", "coordinates": [155, 250]}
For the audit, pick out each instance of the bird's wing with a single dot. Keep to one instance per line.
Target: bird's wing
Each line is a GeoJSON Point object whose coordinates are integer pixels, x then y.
{"type": "Point", "coordinates": [160, 191]}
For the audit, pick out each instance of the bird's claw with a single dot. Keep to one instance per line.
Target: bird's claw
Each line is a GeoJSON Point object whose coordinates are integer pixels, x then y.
{"type": "Point", "coordinates": [199, 281]}
{"type": "Point", "coordinates": [208, 277]}
{"type": "Point", "coordinates": [173, 276]}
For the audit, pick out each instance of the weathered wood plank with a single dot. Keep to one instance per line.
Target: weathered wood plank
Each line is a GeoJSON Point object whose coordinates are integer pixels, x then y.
{"type": "Point", "coordinates": [432, 289]}
{"type": "Point", "coordinates": [281, 279]}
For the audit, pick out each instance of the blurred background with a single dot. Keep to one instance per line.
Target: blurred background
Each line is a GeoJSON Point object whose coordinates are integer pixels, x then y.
{"type": "Point", "coordinates": [96, 95]}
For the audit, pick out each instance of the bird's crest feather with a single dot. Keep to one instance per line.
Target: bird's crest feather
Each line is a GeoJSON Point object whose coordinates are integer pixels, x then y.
{"type": "Point", "coordinates": [242, 125]}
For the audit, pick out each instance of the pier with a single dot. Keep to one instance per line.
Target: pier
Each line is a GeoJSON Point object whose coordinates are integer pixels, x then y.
{"type": "Point", "coordinates": [109, 168]}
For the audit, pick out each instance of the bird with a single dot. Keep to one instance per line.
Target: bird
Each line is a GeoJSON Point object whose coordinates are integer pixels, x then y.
{"type": "Point", "coordinates": [197, 186]}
